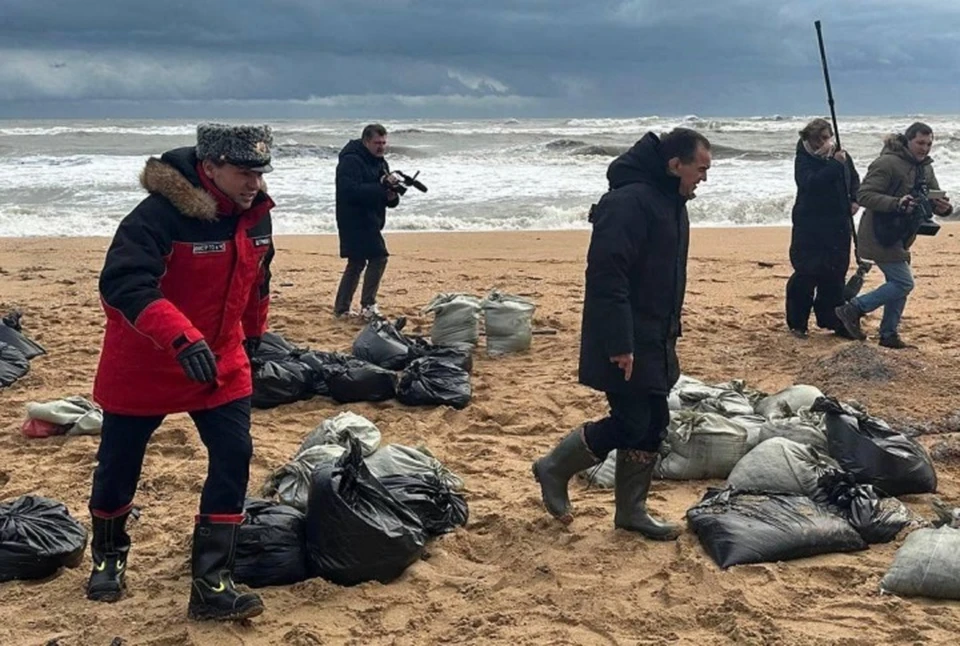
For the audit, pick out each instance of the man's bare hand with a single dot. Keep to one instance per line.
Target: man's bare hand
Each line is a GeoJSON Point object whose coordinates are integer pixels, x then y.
{"type": "Point", "coordinates": [625, 363]}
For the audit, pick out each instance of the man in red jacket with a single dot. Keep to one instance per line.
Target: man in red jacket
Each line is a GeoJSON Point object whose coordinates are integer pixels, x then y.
{"type": "Point", "coordinates": [185, 287]}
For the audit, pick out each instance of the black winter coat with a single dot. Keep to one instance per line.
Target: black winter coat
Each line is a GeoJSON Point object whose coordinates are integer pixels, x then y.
{"type": "Point", "coordinates": [636, 275]}
{"type": "Point", "coordinates": [822, 227]}
{"type": "Point", "coordinates": [361, 202]}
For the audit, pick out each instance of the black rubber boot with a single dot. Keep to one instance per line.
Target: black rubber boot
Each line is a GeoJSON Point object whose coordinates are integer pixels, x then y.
{"type": "Point", "coordinates": [110, 547]}
{"type": "Point", "coordinates": [554, 471]}
{"type": "Point", "coordinates": [631, 487]}
{"type": "Point", "coordinates": [213, 594]}
{"type": "Point", "coordinates": [850, 316]}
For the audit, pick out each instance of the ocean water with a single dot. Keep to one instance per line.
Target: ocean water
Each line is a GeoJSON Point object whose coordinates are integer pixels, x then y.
{"type": "Point", "coordinates": [69, 178]}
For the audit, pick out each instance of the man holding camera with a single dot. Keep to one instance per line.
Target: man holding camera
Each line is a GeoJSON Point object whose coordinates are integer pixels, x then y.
{"type": "Point", "coordinates": [365, 189]}
{"type": "Point", "coordinates": [635, 283]}
{"type": "Point", "coordinates": [186, 291]}
{"type": "Point", "coordinates": [901, 194]}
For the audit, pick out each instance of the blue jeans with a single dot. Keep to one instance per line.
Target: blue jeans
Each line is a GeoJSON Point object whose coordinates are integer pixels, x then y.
{"type": "Point", "coordinates": [892, 295]}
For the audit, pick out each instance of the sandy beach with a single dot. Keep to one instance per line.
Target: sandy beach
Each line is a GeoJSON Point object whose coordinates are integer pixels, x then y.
{"type": "Point", "coordinates": [512, 576]}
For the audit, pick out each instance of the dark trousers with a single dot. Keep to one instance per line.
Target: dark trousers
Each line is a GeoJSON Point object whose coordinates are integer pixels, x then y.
{"type": "Point", "coordinates": [224, 430]}
{"type": "Point", "coordinates": [636, 421]}
{"type": "Point", "coordinates": [821, 292]}
{"type": "Point", "coordinates": [351, 278]}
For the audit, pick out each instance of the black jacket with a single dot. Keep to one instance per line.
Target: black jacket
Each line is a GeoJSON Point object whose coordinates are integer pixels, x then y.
{"type": "Point", "coordinates": [361, 202]}
{"type": "Point", "coordinates": [636, 275]}
{"type": "Point", "coordinates": [822, 226]}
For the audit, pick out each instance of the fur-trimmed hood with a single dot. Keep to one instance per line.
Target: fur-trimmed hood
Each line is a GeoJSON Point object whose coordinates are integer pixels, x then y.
{"type": "Point", "coordinates": [174, 176]}
{"type": "Point", "coordinates": [895, 144]}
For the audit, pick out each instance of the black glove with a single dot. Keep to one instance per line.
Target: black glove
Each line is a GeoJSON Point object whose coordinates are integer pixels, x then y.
{"type": "Point", "coordinates": [198, 362]}
{"type": "Point", "coordinates": [250, 346]}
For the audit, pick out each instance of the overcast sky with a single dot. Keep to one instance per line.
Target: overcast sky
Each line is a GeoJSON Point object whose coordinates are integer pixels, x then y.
{"type": "Point", "coordinates": [476, 58]}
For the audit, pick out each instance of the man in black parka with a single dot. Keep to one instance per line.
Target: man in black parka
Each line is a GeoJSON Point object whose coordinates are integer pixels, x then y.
{"type": "Point", "coordinates": [635, 283]}
{"type": "Point", "coordinates": [365, 189]}
{"type": "Point", "coordinates": [827, 185]}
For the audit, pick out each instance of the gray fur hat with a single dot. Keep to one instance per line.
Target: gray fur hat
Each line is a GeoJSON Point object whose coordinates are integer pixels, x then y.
{"type": "Point", "coordinates": [246, 146]}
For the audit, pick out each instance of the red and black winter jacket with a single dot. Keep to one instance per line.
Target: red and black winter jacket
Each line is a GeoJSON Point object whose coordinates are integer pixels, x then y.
{"type": "Point", "coordinates": [183, 266]}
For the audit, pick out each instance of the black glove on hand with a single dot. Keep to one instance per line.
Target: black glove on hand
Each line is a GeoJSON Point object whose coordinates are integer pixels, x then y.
{"type": "Point", "coordinates": [198, 362]}
{"type": "Point", "coordinates": [250, 346]}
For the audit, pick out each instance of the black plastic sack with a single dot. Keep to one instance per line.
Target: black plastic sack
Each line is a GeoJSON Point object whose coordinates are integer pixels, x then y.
{"type": "Point", "coordinates": [274, 347]}
{"type": "Point", "coordinates": [381, 344]}
{"type": "Point", "coordinates": [13, 364]}
{"type": "Point", "coordinates": [280, 382]}
{"type": "Point", "coordinates": [438, 508]}
{"type": "Point", "coordinates": [316, 363]}
{"type": "Point", "coordinates": [356, 530]}
{"type": "Point", "coordinates": [431, 382]}
{"type": "Point", "coordinates": [271, 545]}
{"type": "Point", "coordinates": [736, 528]}
{"type": "Point", "coordinates": [874, 453]}
{"type": "Point", "coordinates": [459, 357]}
{"type": "Point", "coordinates": [355, 380]}
{"type": "Point", "coordinates": [876, 520]}
{"type": "Point", "coordinates": [11, 332]}
{"type": "Point", "coordinates": [38, 536]}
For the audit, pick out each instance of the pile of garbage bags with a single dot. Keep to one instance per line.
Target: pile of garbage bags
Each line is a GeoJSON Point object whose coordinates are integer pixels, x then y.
{"type": "Point", "coordinates": [385, 364]}
{"type": "Point", "coordinates": [16, 350]}
{"type": "Point", "coordinates": [805, 474]}
{"type": "Point", "coordinates": [348, 509]}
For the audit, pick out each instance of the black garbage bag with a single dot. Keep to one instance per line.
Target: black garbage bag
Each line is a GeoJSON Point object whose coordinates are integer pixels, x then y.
{"type": "Point", "coordinates": [13, 364]}
{"type": "Point", "coordinates": [430, 381]}
{"type": "Point", "coordinates": [459, 357]}
{"type": "Point", "coordinates": [280, 382]}
{"type": "Point", "coordinates": [381, 343]}
{"type": "Point", "coordinates": [435, 504]}
{"type": "Point", "coordinates": [737, 527]}
{"type": "Point", "coordinates": [874, 453]}
{"type": "Point", "coordinates": [38, 536]}
{"type": "Point", "coordinates": [876, 520]}
{"type": "Point", "coordinates": [274, 347]}
{"type": "Point", "coordinates": [11, 332]}
{"type": "Point", "coordinates": [271, 545]}
{"type": "Point", "coordinates": [355, 380]}
{"type": "Point", "coordinates": [356, 530]}
{"type": "Point", "coordinates": [316, 363]}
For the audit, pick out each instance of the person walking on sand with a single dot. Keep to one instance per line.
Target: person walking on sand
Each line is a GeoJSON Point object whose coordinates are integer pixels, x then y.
{"type": "Point", "coordinates": [365, 190]}
{"type": "Point", "coordinates": [827, 184]}
{"type": "Point", "coordinates": [635, 283]}
{"type": "Point", "coordinates": [894, 181]}
{"type": "Point", "coordinates": [186, 290]}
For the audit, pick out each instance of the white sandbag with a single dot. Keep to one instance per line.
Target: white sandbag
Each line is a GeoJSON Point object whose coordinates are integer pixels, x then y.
{"type": "Point", "coordinates": [926, 565]}
{"type": "Point", "coordinates": [83, 416]}
{"type": "Point", "coordinates": [728, 403]}
{"type": "Point", "coordinates": [508, 323]}
{"type": "Point", "coordinates": [673, 400]}
{"type": "Point", "coordinates": [338, 430]}
{"type": "Point", "coordinates": [456, 319]}
{"type": "Point", "coordinates": [290, 484]}
{"type": "Point", "coordinates": [740, 386]}
{"type": "Point", "coordinates": [693, 392]}
{"type": "Point", "coordinates": [780, 465]}
{"type": "Point", "coordinates": [799, 429]}
{"type": "Point", "coordinates": [705, 445]}
{"type": "Point", "coordinates": [602, 475]}
{"type": "Point", "coordinates": [788, 401]}
{"type": "Point", "coordinates": [396, 459]}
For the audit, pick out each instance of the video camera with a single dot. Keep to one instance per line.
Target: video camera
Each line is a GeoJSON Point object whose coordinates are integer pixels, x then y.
{"type": "Point", "coordinates": [922, 215]}
{"type": "Point", "coordinates": [405, 180]}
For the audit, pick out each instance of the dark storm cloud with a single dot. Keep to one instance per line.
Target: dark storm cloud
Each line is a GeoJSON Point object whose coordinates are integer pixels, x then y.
{"type": "Point", "coordinates": [494, 57]}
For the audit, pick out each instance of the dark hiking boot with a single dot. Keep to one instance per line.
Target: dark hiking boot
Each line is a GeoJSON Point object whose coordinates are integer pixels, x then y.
{"type": "Point", "coordinates": [850, 316]}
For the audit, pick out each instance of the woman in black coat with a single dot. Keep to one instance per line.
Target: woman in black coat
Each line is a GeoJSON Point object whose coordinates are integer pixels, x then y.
{"type": "Point", "coordinates": [827, 185]}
